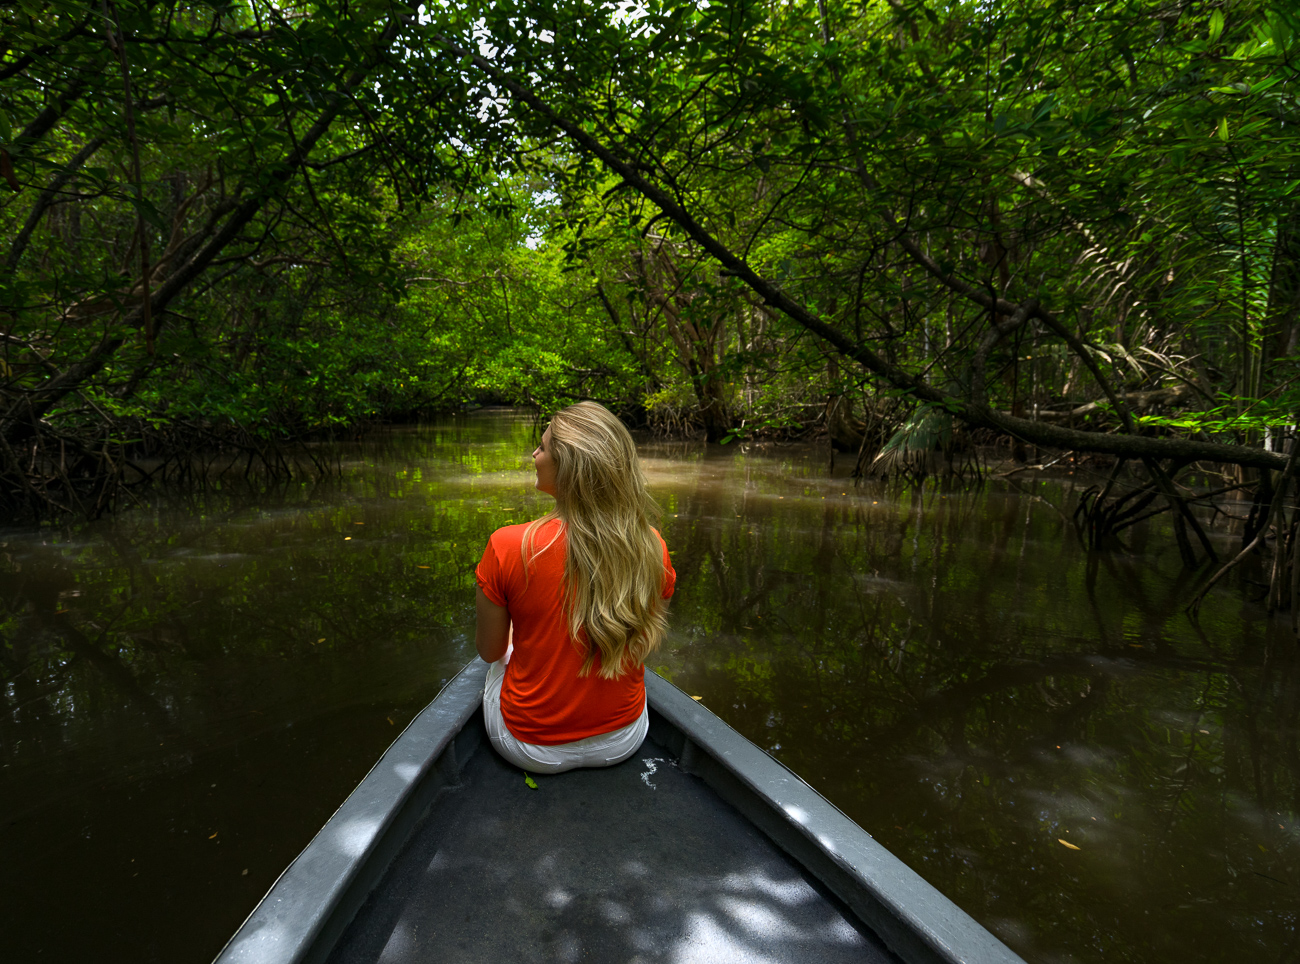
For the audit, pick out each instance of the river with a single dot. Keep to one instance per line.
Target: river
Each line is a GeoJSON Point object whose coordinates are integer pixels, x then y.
{"type": "Point", "coordinates": [192, 687]}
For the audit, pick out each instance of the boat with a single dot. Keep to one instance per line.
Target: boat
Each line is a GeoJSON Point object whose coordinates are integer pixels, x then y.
{"type": "Point", "coordinates": [699, 848]}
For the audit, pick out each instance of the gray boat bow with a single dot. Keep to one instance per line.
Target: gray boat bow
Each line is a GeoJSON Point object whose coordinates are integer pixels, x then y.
{"type": "Point", "coordinates": [414, 864]}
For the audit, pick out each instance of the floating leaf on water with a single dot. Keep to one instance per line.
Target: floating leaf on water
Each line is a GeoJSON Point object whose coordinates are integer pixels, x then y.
{"type": "Point", "coordinates": [321, 640]}
{"type": "Point", "coordinates": [532, 784]}
{"type": "Point", "coordinates": [347, 538]}
{"type": "Point", "coordinates": [697, 697]}
{"type": "Point", "coordinates": [390, 721]}
{"type": "Point", "coordinates": [421, 567]}
{"type": "Point", "coordinates": [214, 836]}
{"type": "Point", "coordinates": [1066, 843]}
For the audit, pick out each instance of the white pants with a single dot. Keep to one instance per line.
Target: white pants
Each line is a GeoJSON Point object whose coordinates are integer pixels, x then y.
{"type": "Point", "coordinates": [601, 750]}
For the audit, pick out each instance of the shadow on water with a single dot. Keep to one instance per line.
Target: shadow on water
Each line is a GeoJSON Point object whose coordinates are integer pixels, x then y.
{"type": "Point", "coordinates": [188, 691]}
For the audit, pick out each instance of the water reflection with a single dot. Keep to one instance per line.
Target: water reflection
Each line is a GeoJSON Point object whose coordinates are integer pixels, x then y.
{"type": "Point", "coordinates": [1042, 735]}
{"type": "Point", "coordinates": [189, 691]}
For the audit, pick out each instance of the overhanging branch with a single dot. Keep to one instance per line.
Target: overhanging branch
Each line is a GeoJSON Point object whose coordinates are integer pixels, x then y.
{"type": "Point", "coordinates": [1125, 445]}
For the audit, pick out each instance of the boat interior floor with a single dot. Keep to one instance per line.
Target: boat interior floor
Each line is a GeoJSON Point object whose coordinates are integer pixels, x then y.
{"type": "Point", "coordinates": [638, 862]}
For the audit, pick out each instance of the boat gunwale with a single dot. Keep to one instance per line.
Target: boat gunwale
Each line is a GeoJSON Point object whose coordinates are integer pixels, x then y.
{"type": "Point", "coordinates": [307, 909]}
{"type": "Point", "coordinates": [914, 919]}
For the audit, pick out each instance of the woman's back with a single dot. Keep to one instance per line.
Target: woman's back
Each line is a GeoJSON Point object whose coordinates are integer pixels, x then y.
{"type": "Point", "coordinates": [546, 699]}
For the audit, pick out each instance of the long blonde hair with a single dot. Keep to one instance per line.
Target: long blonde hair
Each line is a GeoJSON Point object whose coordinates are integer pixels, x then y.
{"type": "Point", "coordinates": [614, 566]}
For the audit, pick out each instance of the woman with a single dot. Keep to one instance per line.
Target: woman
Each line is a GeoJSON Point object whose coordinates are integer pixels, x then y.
{"type": "Point", "coordinates": [570, 606]}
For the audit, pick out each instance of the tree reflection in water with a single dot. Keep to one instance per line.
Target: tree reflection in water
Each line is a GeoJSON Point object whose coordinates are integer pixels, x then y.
{"type": "Point", "coordinates": [189, 691]}
{"type": "Point", "coordinates": [1041, 732]}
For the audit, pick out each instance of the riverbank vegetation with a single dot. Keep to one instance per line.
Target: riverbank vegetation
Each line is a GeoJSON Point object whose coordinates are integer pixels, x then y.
{"type": "Point", "coordinates": [900, 225]}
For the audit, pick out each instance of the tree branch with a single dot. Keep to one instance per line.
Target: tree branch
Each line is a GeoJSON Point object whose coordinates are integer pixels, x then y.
{"type": "Point", "coordinates": [24, 415]}
{"type": "Point", "coordinates": [46, 198]}
{"type": "Point", "coordinates": [974, 413]}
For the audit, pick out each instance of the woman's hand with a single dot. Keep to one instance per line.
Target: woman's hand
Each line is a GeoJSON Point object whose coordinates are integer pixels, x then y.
{"type": "Point", "coordinates": [492, 629]}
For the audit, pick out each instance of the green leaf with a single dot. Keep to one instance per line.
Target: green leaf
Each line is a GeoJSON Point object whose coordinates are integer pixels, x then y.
{"type": "Point", "coordinates": [147, 211]}
{"type": "Point", "coordinates": [532, 784]}
{"type": "Point", "coordinates": [1216, 26]}
{"type": "Point", "coordinates": [1223, 128]}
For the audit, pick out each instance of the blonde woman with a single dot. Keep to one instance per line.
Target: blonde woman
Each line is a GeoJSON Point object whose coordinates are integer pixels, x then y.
{"type": "Point", "coordinates": [570, 606]}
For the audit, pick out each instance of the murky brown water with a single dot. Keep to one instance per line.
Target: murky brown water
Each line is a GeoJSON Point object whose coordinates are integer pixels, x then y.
{"type": "Point", "coordinates": [189, 692]}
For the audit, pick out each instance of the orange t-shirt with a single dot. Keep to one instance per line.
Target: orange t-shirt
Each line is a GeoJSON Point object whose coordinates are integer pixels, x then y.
{"type": "Point", "coordinates": [543, 699]}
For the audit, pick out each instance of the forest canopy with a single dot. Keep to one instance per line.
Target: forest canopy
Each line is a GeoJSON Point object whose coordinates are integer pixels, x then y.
{"type": "Point", "coordinates": [1065, 225]}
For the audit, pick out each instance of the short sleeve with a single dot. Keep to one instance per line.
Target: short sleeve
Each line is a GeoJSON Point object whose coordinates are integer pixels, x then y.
{"type": "Point", "coordinates": [489, 576]}
{"type": "Point", "coordinates": [670, 574]}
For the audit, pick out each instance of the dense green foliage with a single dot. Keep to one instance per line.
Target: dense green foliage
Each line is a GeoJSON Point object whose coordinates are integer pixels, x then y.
{"type": "Point", "coordinates": [1076, 226]}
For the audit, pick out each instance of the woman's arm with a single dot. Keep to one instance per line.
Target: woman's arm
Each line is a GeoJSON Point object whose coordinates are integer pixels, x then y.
{"type": "Point", "coordinates": [492, 630]}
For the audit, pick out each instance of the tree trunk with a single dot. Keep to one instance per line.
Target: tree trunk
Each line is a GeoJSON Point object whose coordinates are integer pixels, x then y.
{"type": "Point", "coordinates": [697, 330]}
